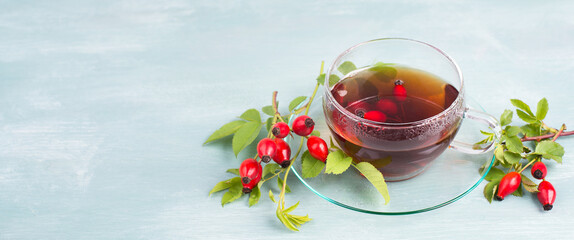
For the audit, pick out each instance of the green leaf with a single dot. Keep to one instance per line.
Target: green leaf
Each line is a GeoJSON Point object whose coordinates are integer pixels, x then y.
{"type": "Point", "coordinates": [511, 157]}
{"type": "Point", "coordinates": [316, 133]}
{"type": "Point", "coordinates": [525, 117]}
{"type": "Point", "coordinates": [505, 117]}
{"type": "Point", "coordinates": [321, 79]}
{"type": "Point", "coordinates": [270, 169]}
{"type": "Point", "coordinates": [550, 150]}
{"type": "Point", "coordinates": [296, 102]}
{"type": "Point", "coordinates": [514, 144]}
{"type": "Point", "coordinates": [234, 171]}
{"type": "Point", "coordinates": [223, 185]}
{"type": "Point", "coordinates": [486, 133]}
{"type": "Point", "coordinates": [494, 174]}
{"type": "Point", "coordinates": [520, 104]}
{"type": "Point", "coordinates": [269, 124]}
{"type": "Point", "coordinates": [333, 79]}
{"type": "Point", "coordinates": [512, 130]}
{"type": "Point", "coordinates": [234, 192]}
{"type": "Point", "coordinates": [254, 196]}
{"type": "Point", "coordinates": [346, 67]}
{"type": "Point", "coordinates": [268, 110]}
{"type": "Point", "coordinates": [244, 136]}
{"type": "Point", "coordinates": [490, 190]}
{"type": "Point", "coordinates": [311, 167]}
{"type": "Point", "coordinates": [384, 72]}
{"type": "Point", "coordinates": [251, 115]}
{"type": "Point", "coordinates": [225, 130]}
{"type": "Point", "coordinates": [272, 197]}
{"type": "Point", "coordinates": [337, 162]}
{"type": "Point", "coordinates": [499, 153]}
{"type": "Point", "coordinates": [518, 191]}
{"type": "Point", "coordinates": [528, 184]}
{"type": "Point", "coordinates": [290, 209]}
{"type": "Point", "coordinates": [280, 185]}
{"type": "Point", "coordinates": [542, 109]}
{"type": "Point", "coordinates": [281, 216]}
{"type": "Point", "coordinates": [375, 177]}
{"type": "Point", "coordinates": [531, 130]}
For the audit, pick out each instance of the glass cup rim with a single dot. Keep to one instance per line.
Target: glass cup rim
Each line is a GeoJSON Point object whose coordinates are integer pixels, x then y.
{"type": "Point", "coordinates": [341, 109]}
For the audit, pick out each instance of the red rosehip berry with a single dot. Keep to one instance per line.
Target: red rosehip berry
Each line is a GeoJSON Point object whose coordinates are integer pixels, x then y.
{"type": "Point", "coordinates": [318, 148]}
{"type": "Point", "coordinates": [399, 91]}
{"type": "Point", "coordinates": [538, 170]}
{"type": "Point", "coordinates": [266, 149]}
{"type": "Point", "coordinates": [359, 108]}
{"type": "Point", "coordinates": [509, 183]}
{"type": "Point", "coordinates": [303, 125]}
{"type": "Point", "coordinates": [280, 130]}
{"type": "Point", "coordinates": [387, 106]}
{"type": "Point", "coordinates": [250, 172]}
{"type": "Point", "coordinates": [376, 116]}
{"type": "Point", "coordinates": [283, 155]}
{"type": "Point", "coordinates": [546, 195]}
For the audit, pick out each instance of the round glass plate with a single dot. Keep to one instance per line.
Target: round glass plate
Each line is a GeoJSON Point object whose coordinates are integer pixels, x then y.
{"type": "Point", "coordinates": [449, 178]}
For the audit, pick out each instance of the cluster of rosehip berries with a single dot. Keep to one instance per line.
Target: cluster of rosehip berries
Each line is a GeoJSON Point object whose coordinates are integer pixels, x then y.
{"type": "Point", "coordinates": [511, 181]}
{"type": "Point", "coordinates": [384, 107]}
{"type": "Point", "coordinates": [278, 150]}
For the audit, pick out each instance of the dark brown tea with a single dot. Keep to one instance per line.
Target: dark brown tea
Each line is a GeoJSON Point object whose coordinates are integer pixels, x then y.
{"type": "Point", "coordinates": [398, 129]}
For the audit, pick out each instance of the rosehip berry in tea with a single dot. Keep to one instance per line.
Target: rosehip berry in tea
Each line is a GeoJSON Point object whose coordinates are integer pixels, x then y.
{"type": "Point", "coordinates": [538, 170]}
{"type": "Point", "coordinates": [283, 155]}
{"type": "Point", "coordinates": [371, 90]}
{"type": "Point", "coordinates": [280, 130]}
{"type": "Point", "coordinates": [318, 148]}
{"type": "Point", "coordinates": [508, 184]}
{"type": "Point", "coordinates": [546, 195]}
{"type": "Point", "coordinates": [266, 149]}
{"type": "Point", "coordinates": [250, 172]}
{"type": "Point", "coordinates": [303, 125]}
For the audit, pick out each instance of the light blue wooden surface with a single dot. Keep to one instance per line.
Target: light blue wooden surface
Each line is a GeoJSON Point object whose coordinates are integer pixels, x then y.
{"type": "Point", "coordinates": [104, 106]}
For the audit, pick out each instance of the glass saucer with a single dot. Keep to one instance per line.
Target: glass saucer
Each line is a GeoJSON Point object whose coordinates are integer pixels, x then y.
{"type": "Point", "coordinates": [450, 177]}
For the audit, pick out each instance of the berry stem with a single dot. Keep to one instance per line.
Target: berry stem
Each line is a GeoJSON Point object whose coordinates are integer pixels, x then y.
{"type": "Point", "coordinates": [529, 163]}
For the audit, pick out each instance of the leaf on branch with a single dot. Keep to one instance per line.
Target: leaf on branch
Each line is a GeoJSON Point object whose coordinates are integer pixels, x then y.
{"type": "Point", "coordinates": [280, 185]}
{"type": "Point", "coordinates": [346, 67]}
{"type": "Point", "coordinates": [494, 174]}
{"type": "Point", "coordinates": [505, 117]}
{"type": "Point", "coordinates": [490, 190]}
{"type": "Point", "coordinates": [531, 130]}
{"type": "Point", "coordinates": [296, 102]}
{"type": "Point", "coordinates": [245, 135]}
{"type": "Point", "coordinates": [254, 195]}
{"type": "Point", "coordinates": [333, 79]}
{"type": "Point", "coordinates": [525, 117]}
{"type": "Point", "coordinates": [234, 192]}
{"type": "Point", "coordinates": [512, 131]}
{"type": "Point", "coordinates": [528, 184]}
{"type": "Point", "coordinates": [375, 177]}
{"type": "Point", "coordinates": [514, 144]}
{"type": "Point", "coordinates": [511, 157]}
{"type": "Point", "coordinates": [268, 110]}
{"type": "Point", "coordinates": [542, 109]}
{"type": "Point", "coordinates": [292, 222]}
{"type": "Point", "coordinates": [233, 171]}
{"type": "Point", "coordinates": [337, 162]}
{"type": "Point", "coordinates": [251, 115]}
{"type": "Point", "coordinates": [270, 169]}
{"type": "Point", "coordinates": [550, 150]}
{"type": "Point", "coordinates": [271, 196]}
{"type": "Point", "coordinates": [220, 186]}
{"type": "Point", "coordinates": [520, 104]}
{"type": "Point", "coordinates": [225, 131]}
{"type": "Point", "coordinates": [311, 167]}
{"type": "Point", "coordinates": [321, 79]}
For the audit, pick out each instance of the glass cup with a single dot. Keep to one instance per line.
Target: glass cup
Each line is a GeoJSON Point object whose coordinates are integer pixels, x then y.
{"type": "Point", "coordinates": [400, 150]}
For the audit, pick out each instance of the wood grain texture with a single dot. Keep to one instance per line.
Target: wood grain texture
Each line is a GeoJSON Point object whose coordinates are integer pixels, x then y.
{"type": "Point", "coordinates": [104, 107]}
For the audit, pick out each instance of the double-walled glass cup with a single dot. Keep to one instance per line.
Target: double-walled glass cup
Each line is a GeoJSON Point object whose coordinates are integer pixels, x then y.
{"type": "Point", "coordinates": [405, 149]}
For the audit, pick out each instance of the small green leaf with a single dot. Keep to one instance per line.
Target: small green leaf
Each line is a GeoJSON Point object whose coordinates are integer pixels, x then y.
{"type": "Point", "coordinates": [486, 133]}
{"type": "Point", "coordinates": [321, 79]}
{"type": "Point", "coordinates": [269, 124]}
{"type": "Point", "coordinates": [268, 110]}
{"type": "Point", "coordinates": [346, 67]}
{"type": "Point", "coordinates": [311, 167]}
{"type": "Point", "coordinates": [290, 209]}
{"type": "Point", "coordinates": [296, 102]}
{"type": "Point", "coordinates": [251, 115]}
{"type": "Point", "coordinates": [494, 174]}
{"type": "Point", "coordinates": [499, 153]}
{"type": "Point", "coordinates": [272, 197]}
{"type": "Point", "coordinates": [223, 185]}
{"type": "Point", "coordinates": [234, 192]}
{"type": "Point", "coordinates": [280, 185]}
{"type": "Point", "coordinates": [505, 117]}
{"type": "Point", "coordinates": [520, 104]}
{"type": "Point", "coordinates": [375, 177]}
{"type": "Point", "coordinates": [315, 133]}
{"type": "Point", "coordinates": [550, 150]}
{"type": "Point", "coordinates": [285, 221]}
{"type": "Point", "coordinates": [270, 169]}
{"type": "Point", "coordinates": [525, 117]}
{"type": "Point", "coordinates": [528, 184]}
{"type": "Point", "coordinates": [384, 72]}
{"type": "Point", "coordinates": [254, 196]}
{"type": "Point", "coordinates": [542, 109]}
{"type": "Point", "coordinates": [518, 191]}
{"type": "Point", "coordinates": [490, 190]}
{"type": "Point", "coordinates": [512, 130]}
{"type": "Point", "coordinates": [244, 136]}
{"type": "Point", "coordinates": [234, 171]}
{"type": "Point", "coordinates": [225, 130]}
{"type": "Point", "coordinates": [514, 144]}
{"type": "Point", "coordinates": [531, 130]}
{"type": "Point", "coordinates": [511, 157]}
{"type": "Point", "coordinates": [333, 79]}
{"type": "Point", "coordinates": [337, 162]}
